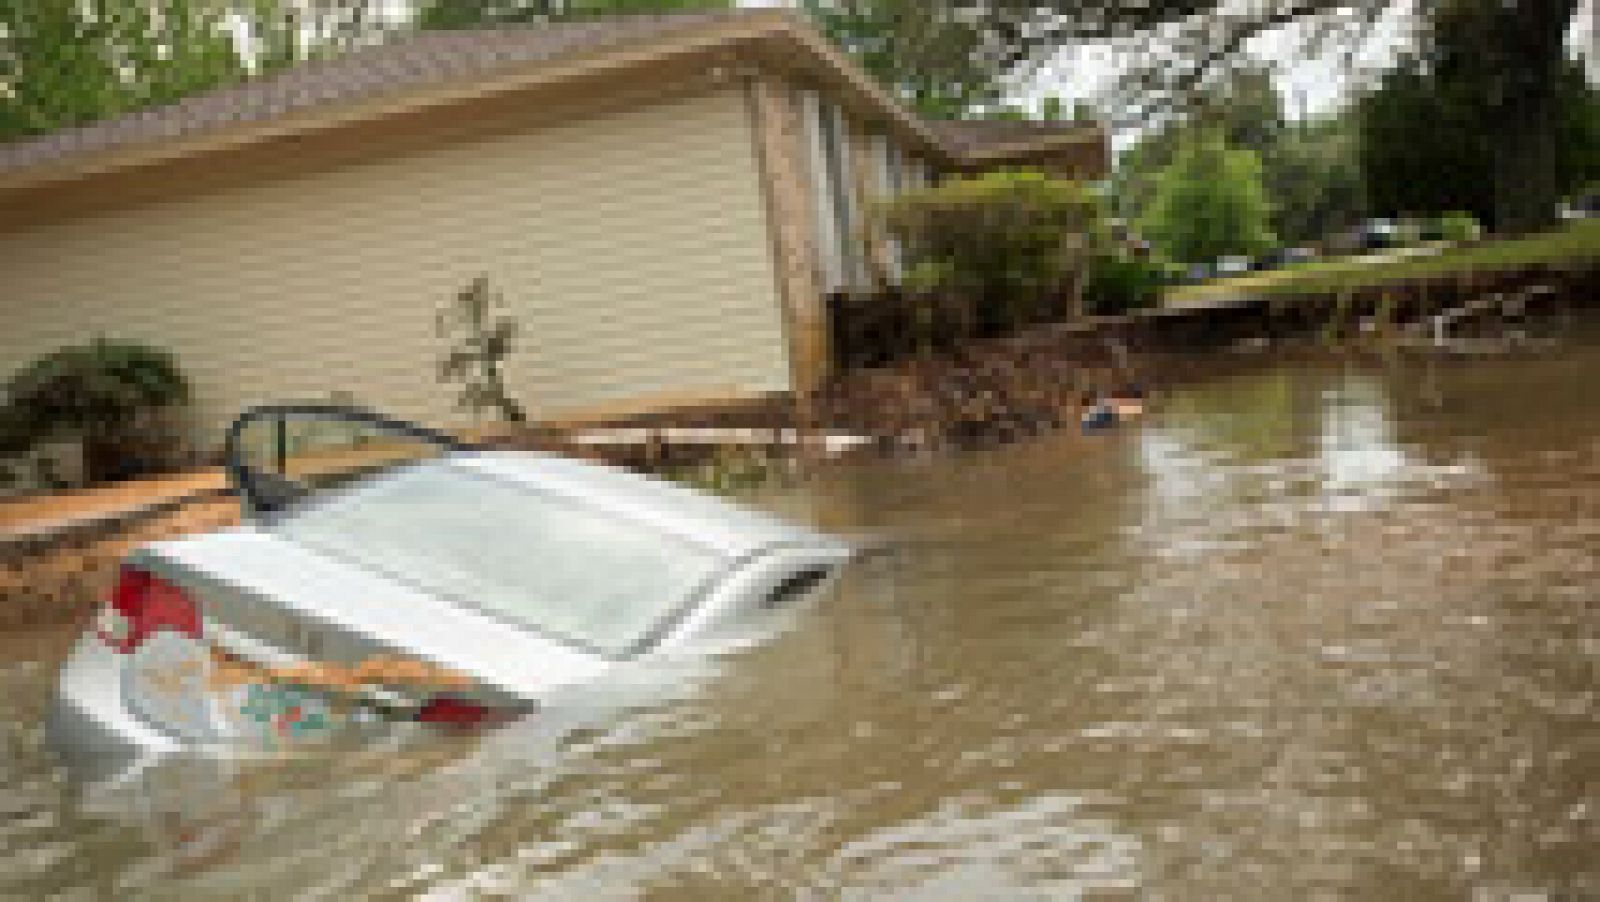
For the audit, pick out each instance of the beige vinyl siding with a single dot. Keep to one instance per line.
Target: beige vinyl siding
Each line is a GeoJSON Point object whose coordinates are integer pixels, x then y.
{"type": "Point", "coordinates": [631, 247]}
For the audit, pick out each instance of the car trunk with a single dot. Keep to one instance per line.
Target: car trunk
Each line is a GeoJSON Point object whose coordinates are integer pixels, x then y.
{"type": "Point", "coordinates": [295, 645]}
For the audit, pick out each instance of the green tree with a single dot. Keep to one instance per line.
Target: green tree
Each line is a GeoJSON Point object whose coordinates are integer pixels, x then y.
{"type": "Point", "coordinates": [54, 67]}
{"type": "Point", "coordinates": [1521, 47]}
{"type": "Point", "coordinates": [1429, 139]}
{"type": "Point", "coordinates": [1314, 179]}
{"type": "Point", "coordinates": [1244, 109]}
{"type": "Point", "coordinates": [439, 14]}
{"type": "Point", "coordinates": [175, 48]}
{"type": "Point", "coordinates": [1133, 183]}
{"type": "Point", "coordinates": [1210, 202]}
{"type": "Point", "coordinates": [1310, 169]}
{"type": "Point", "coordinates": [1244, 106]}
{"type": "Point", "coordinates": [932, 61]}
{"type": "Point", "coordinates": [64, 63]}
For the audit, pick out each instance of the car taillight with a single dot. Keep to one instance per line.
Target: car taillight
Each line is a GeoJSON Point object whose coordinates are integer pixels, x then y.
{"type": "Point", "coordinates": [447, 710]}
{"type": "Point", "coordinates": [143, 604]}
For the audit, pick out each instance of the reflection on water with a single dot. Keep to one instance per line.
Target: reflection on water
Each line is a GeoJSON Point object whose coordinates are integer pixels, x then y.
{"type": "Point", "coordinates": [1308, 629]}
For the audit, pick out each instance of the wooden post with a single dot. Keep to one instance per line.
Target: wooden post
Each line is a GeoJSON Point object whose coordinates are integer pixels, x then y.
{"type": "Point", "coordinates": [786, 187]}
{"type": "Point", "coordinates": [280, 445]}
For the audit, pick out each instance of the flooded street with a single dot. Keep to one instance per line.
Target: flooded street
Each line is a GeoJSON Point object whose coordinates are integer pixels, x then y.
{"type": "Point", "coordinates": [1308, 630]}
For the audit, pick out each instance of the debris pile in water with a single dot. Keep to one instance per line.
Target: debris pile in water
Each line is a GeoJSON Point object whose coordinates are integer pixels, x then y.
{"type": "Point", "coordinates": [998, 390]}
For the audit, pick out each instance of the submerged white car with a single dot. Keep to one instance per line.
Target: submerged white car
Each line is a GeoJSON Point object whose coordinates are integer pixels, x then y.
{"type": "Point", "coordinates": [455, 586]}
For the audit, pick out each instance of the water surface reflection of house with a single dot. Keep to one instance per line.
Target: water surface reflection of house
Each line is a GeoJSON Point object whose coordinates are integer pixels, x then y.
{"type": "Point", "coordinates": [664, 201]}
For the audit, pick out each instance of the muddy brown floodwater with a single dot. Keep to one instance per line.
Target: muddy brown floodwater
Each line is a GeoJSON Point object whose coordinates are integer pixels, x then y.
{"type": "Point", "coordinates": [1310, 630]}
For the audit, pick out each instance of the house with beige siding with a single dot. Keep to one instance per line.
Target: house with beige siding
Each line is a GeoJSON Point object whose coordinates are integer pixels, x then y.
{"type": "Point", "coordinates": [664, 202]}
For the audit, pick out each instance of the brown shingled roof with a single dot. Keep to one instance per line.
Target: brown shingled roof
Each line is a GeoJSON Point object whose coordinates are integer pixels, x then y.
{"type": "Point", "coordinates": [421, 60]}
{"type": "Point", "coordinates": [410, 61]}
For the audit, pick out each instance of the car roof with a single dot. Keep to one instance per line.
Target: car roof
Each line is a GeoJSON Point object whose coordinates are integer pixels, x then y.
{"type": "Point", "coordinates": [730, 528]}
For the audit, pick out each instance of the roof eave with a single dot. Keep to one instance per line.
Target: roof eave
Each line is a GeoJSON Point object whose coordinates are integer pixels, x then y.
{"type": "Point", "coordinates": [828, 61]}
{"type": "Point", "coordinates": [999, 154]}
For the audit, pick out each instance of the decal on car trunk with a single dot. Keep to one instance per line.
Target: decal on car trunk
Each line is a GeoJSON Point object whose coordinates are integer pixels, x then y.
{"type": "Point", "coordinates": [204, 691]}
{"type": "Point", "coordinates": [288, 712]}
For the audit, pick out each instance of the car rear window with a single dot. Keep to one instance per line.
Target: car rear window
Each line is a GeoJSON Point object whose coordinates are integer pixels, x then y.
{"type": "Point", "coordinates": [596, 579]}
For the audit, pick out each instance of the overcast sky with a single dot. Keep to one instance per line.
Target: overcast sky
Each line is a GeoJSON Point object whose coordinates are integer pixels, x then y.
{"type": "Point", "coordinates": [1312, 80]}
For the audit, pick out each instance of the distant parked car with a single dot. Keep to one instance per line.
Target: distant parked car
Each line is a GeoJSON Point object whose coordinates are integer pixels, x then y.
{"type": "Point", "coordinates": [1280, 257]}
{"type": "Point", "coordinates": [1233, 265]}
{"type": "Point", "coordinates": [1586, 207]}
{"type": "Point", "coordinates": [1378, 234]}
{"type": "Point", "coordinates": [440, 585]}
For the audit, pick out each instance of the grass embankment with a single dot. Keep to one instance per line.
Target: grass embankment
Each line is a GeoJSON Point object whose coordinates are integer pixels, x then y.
{"type": "Point", "coordinates": [1574, 241]}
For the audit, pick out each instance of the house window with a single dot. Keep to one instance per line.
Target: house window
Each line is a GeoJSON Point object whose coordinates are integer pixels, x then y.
{"type": "Point", "coordinates": [830, 267]}
{"type": "Point", "coordinates": [839, 178]}
{"type": "Point", "coordinates": [891, 183]}
{"type": "Point", "coordinates": [894, 172]}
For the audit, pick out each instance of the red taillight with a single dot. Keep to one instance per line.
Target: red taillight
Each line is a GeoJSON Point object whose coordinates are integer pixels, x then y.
{"type": "Point", "coordinates": [447, 710]}
{"type": "Point", "coordinates": [143, 604]}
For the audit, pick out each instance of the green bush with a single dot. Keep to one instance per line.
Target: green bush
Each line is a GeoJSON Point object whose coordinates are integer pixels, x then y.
{"type": "Point", "coordinates": [1119, 283]}
{"type": "Point", "coordinates": [1008, 241]}
{"type": "Point", "coordinates": [1458, 226]}
{"type": "Point", "coordinates": [115, 398]}
{"type": "Point", "coordinates": [14, 441]}
{"type": "Point", "coordinates": [13, 448]}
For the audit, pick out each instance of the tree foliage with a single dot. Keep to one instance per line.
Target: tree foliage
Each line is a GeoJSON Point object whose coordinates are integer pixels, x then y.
{"type": "Point", "coordinates": [1429, 138]}
{"type": "Point", "coordinates": [1314, 179]}
{"type": "Point", "coordinates": [1520, 48]}
{"type": "Point", "coordinates": [1244, 110]}
{"type": "Point", "coordinates": [1210, 202]}
{"type": "Point", "coordinates": [64, 63]}
{"type": "Point", "coordinates": [932, 61]}
{"type": "Point", "coordinates": [1310, 170]}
